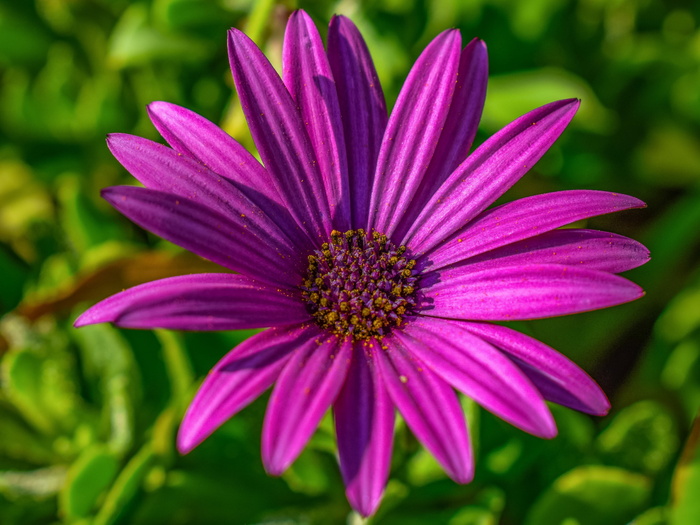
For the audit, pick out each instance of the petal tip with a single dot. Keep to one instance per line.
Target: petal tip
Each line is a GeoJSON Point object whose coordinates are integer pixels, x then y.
{"type": "Point", "coordinates": [186, 441]}
{"type": "Point", "coordinates": [364, 504]}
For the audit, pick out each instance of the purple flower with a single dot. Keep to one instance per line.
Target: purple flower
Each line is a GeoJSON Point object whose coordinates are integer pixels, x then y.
{"type": "Point", "coordinates": [365, 243]}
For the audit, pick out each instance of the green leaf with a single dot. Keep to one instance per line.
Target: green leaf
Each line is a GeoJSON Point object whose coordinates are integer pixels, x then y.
{"type": "Point", "coordinates": [22, 373]}
{"type": "Point", "coordinates": [40, 483]}
{"type": "Point", "coordinates": [642, 437]}
{"type": "Point", "coordinates": [87, 479]}
{"type": "Point", "coordinates": [125, 487]}
{"type": "Point", "coordinates": [591, 495]}
{"type": "Point", "coordinates": [517, 93]}
{"type": "Point", "coordinates": [110, 369]}
{"type": "Point", "coordinates": [685, 505]}
{"type": "Point", "coordinates": [135, 42]}
{"type": "Point", "coordinates": [177, 364]}
{"type": "Point", "coordinates": [19, 442]}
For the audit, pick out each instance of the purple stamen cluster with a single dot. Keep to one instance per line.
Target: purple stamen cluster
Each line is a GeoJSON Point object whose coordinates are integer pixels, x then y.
{"type": "Point", "coordinates": [360, 284]}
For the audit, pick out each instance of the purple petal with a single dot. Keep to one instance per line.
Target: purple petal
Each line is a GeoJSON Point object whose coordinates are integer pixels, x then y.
{"type": "Point", "coordinates": [459, 129]}
{"type": "Point", "coordinates": [362, 108]}
{"type": "Point", "coordinates": [161, 168]}
{"type": "Point", "coordinates": [308, 78]}
{"type": "Point", "coordinates": [512, 293]}
{"type": "Point", "coordinates": [480, 371]}
{"type": "Point", "coordinates": [429, 406]}
{"type": "Point", "coordinates": [240, 377]}
{"type": "Point", "coordinates": [488, 172]}
{"type": "Point", "coordinates": [196, 137]}
{"type": "Point", "coordinates": [556, 377]}
{"type": "Point", "coordinates": [279, 135]}
{"type": "Point", "coordinates": [413, 130]}
{"type": "Point", "coordinates": [526, 218]}
{"type": "Point", "coordinates": [364, 426]}
{"type": "Point", "coordinates": [225, 240]}
{"type": "Point", "coordinates": [214, 301]}
{"type": "Point", "coordinates": [305, 390]}
{"type": "Point", "coordinates": [595, 250]}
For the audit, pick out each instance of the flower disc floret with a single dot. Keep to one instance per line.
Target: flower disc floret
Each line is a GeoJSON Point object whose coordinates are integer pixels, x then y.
{"type": "Point", "coordinates": [360, 284]}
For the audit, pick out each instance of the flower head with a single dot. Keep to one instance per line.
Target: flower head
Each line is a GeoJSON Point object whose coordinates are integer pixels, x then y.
{"type": "Point", "coordinates": [367, 247]}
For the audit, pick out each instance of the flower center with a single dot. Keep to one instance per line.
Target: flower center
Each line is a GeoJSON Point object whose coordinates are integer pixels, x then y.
{"type": "Point", "coordinates": [360, 284]}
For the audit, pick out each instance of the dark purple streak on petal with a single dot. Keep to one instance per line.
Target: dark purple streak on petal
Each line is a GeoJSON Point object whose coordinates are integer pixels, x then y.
{"type": "Point", "coordinates": [480, 371]}
{"type": "Point", "coordinates": [240, 377]}
{"type": "Point", "coordinates": [413, 130]}
{"type": "Point", "coordinates": [161, 168]}
{"type": "Point", "coordinates": [592, 249]}
{"type": "Point", "coordinates": [203, 302]}
{"type": "Point", "coordinates": [459, 129]}
{"type": "Point", "coordinates": [362, 108]}
{"type": "Point", "coordinates": [303, 393]}
{"type": "Point", "coordinates": [488, 172]}
{"type": "Point", "coordinates": [197, 228]}
{"type": "Point", "coordinates": [429, 406]}
{"type": "Point", "coordinates": [513, 293]}
{"type": "Point", "coordinates": [526, 218]}
{"type": "Point", "coordinates": [556, 377]}
{"type": "Point", "coordinates": [308, 77]}
{"type": "Point", "coordinates": [364, 426]}
{"type": "Point", "coordinates": [279, 135]}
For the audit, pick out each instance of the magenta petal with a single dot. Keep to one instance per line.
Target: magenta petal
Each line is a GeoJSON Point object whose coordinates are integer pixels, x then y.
{"type": "Point", "coordinates": [413, 131]}
{"type": "Point", "coordinates": [459, 129]}
{"type": "Point", "coordinates": [308, 77]}
{"type": "Point", "coordinates": [480, 371]}
{"type": "Point", "coordinates": [279, 135]}
{"type": "Point", "coordinates": [214, 301]}
{"type": "Point", "coordinates": [304, 391]}
{"type": "Point", "coordinates": [362, 108]}
{"type": "Point", "coordinates": [512, 293]}
{"type": "Point", "coordinates": [240, 377]}
{"type": "Point", "coordinates": [429, 406]}
{"type": "Point", "coordinates": [364, 425]}
{"type": "Point", "coordinates": [526, 218]}
{"type": "Point", "coordinates": [488, 172]}
{"type": "Point", "coordinates": [193, 135]}
{"type": "Point", "coordinates": [161, 168]}
{"type": "Point", "coordinates": [556, 377]}
{"type": "Point", "coordinates": [225, 240]}
{"type": "Point", "coordinates": [592, 249]}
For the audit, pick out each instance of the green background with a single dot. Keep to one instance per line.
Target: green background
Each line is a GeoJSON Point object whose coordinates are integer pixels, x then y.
{"type": "Point", "coordinates": [88, 417]}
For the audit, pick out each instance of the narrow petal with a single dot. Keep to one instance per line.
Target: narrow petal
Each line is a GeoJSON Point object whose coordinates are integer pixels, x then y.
{"type": "Point", "coordinates": [362, 108]}
{"type": "Point", "coordinates": [513, 293]}
{"type": "Point", "coordinates": [480, 371]}
{"type": "Point", "coordinates": [364, 426]}
{"type": "Point", "coordinates": [525, 218]}
{"type": "Point", "coordinates": [279, 135]}
{"type": "Point", "coordinates": [161, 168]}
{"type": "Point", "coordinates": [459, 129]}
{"type": "Point", "coordinates": [307, 75]}
{"type": "Point", "coordinates": [488, 172]}
{"type": "Point", "coordinates": [196, 137]}
{"type": "Point", "coordinates": [557, 378]}
{"type": "Point", "coordinates": [305, 390]}
{"type": "Point", "coordinates": [429, 406]}
{"type": "Point", "coordinates": [413, 130]}
{"type": "Point", "coordinates": [592, 249]}
{"type": "Point", "coordinates": [222, 239]}
{"type": "Point", "coordinates": [240, 377]}
{"type": "Point", "coordinates": [203, 302]}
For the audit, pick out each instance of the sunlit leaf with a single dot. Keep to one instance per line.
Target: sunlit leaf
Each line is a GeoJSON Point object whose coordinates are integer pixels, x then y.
{"type": "Point", "coordinates": [592, 495]}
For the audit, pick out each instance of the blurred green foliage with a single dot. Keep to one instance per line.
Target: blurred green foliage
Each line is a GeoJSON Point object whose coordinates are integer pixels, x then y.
{"type": "Point", "coordinates": [88, 417]}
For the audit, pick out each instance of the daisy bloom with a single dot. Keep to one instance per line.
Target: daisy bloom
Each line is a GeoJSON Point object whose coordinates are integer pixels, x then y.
{"type": "Point", "coordinates": [366, 246]}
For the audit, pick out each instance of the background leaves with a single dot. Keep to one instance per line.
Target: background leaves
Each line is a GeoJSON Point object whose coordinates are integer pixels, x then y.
{"type": "Point", "coordinates": [88, 417]}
